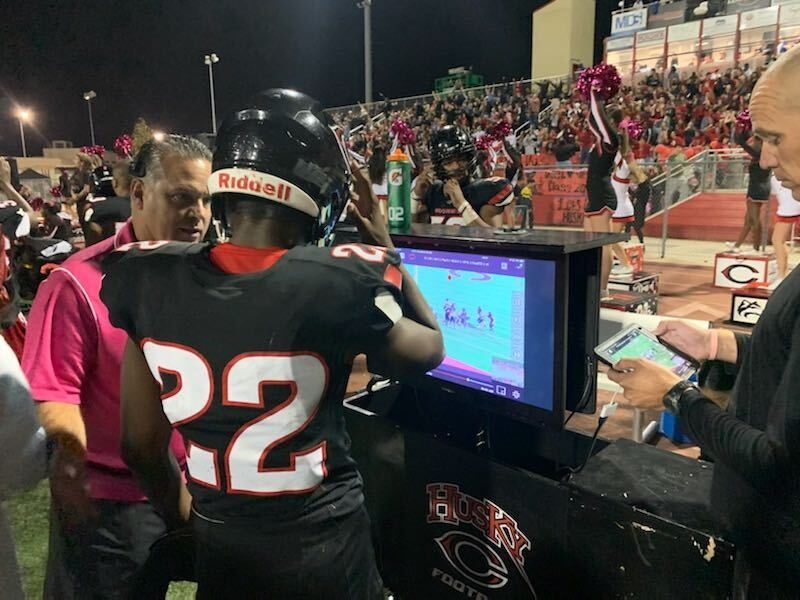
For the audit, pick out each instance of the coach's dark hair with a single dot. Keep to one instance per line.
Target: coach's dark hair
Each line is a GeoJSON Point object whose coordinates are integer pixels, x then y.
{"type": "Point", "coordinates": [152, 152]}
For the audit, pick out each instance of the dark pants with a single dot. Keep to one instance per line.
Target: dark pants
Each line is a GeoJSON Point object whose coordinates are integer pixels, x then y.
{"type": "Point", "coordinates": [102, 560]}
{"type": "Point", "coordinates": [641, 198]}
{"type": "Point", "coordinates": [332, 559]}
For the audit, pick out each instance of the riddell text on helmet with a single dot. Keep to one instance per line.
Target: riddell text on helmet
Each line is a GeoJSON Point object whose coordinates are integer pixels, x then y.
{"type": "Point", "coordinates": [251, 183]}
{"type": "Point", "coordinates": [262, 185]}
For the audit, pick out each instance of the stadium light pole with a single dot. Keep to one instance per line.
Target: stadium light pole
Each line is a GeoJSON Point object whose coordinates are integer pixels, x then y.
{"type": "Point", "coordinates": [24, 115]}
{"type": "Point", "coordinates": [211, 60]}
{"type": "Point", "coordinates": [89, 96]}
{"type": "Point", "coordinates": [366, 5]}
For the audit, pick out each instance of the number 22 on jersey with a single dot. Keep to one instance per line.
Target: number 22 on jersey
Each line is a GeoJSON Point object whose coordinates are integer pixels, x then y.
{"type": "Point", "coordinates": [243, 380]}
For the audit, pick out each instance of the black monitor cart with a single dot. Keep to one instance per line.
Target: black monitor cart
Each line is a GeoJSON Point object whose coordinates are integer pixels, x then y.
{"type": "Point", "coordinates": [471, 495]}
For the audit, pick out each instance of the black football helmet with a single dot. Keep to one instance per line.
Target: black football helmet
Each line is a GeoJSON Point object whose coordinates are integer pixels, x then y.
{"type": "Point", "coordinates": [452, 143]}
{"type": "Point", "coordinates": [103, 182]}
{"type": "Point", "coordinates": [281, 147]}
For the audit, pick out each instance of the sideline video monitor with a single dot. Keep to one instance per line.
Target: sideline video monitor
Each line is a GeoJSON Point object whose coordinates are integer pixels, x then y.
{"type": "Point", "coordinates": [500, 319]}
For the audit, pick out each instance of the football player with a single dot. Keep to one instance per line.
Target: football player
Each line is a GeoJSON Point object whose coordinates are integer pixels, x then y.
{"type": "Point", "coordinates": [106, 214]}
{"type": "Point", "coordinates": [17, 218]}
{"type": "Point", "coordinates": [455, 198]}
{"type": "Point", "coordinates": [246, 348]}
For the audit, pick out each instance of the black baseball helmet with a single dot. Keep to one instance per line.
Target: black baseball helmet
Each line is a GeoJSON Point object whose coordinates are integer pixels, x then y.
{"type": "Point", "coordinates": [282, 148]}
{"type": "Point", "coordinates": [452, 143]}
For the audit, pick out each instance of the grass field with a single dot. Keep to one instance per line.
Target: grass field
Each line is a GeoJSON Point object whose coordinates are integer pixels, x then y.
{"type": "Point", "coordinates": [29, 519]}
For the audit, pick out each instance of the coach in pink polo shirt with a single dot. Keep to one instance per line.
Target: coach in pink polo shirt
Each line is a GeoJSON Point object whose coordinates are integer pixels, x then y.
{"type": "Point", "coordinates": [104, 525]}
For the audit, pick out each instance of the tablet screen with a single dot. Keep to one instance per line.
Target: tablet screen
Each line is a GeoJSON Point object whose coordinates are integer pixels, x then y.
{"type": "Point", "coordinates": [635, 343]}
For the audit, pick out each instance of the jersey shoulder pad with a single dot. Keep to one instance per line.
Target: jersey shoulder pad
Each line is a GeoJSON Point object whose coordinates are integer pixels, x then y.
{"type": "Point", "coordinates": [374, 264]}
{"type": "Point", "coordinates": [495, 191]}
{"type": "Point", "coordinates": [162, 252]}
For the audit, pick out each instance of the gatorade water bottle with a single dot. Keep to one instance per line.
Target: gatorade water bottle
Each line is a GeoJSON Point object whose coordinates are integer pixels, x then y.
{"type": "Point", "coordinates": [398, 179]}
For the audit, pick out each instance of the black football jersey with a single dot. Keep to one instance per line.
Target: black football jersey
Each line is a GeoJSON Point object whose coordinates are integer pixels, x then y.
{"type": "Point", "coordinates": [254, 367]}
{"type": "Point", "coordinates": [494, 191]}
{"type": "Point", "coordinates": [13, 220]}
{"type": "Point", "coordinates": [108, 210]}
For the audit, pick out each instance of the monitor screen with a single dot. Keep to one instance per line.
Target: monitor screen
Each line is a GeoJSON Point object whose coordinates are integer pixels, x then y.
{"type": "Point", "coordinates": [498, 316]}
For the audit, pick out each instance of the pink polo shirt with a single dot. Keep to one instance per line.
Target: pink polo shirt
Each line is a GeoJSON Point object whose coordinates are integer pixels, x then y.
{"type": "Point", "coordinates": [73, 355]}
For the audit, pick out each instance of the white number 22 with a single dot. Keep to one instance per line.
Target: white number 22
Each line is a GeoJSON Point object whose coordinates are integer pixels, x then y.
{"type": "Point", "coordinates": [242, 384]}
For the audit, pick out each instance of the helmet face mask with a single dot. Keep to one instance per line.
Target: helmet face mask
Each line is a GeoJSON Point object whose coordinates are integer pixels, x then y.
{"type": "Point", "coordinates": [456, 168]}
{"type": "Point", "coordinates": [449, 144]}
{"type": "Point", "coordinates": [281, 148]}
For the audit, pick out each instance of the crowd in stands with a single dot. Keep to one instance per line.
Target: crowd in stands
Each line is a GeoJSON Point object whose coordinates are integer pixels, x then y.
{"type": "Point", "coordinates": [682, 114]}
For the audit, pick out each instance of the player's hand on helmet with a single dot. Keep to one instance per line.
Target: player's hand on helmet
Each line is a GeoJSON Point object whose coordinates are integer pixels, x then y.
{"type": "Point", "coordinates": [424, 182]}
{"type": "Point", "coordinates": [452, 190]}
{"type": "Point", "coordinates": [687, 338]}
{"type": "Point", "coordinates": [365, 211]}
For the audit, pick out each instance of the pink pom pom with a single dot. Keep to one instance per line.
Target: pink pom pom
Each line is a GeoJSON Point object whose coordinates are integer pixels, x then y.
{"type": "Point", "coordinates": [397, 126]}
{"type": "Point", "coordinates": [55, 191]}
{"type": "Point", "coordinates": [500, 131]}
{"type": "Point", "coordinates": [635, 129]}
{"type": "Point", "coordinates": [484, 142]}
{"type": "Point", "coordinates": [123, 146]}
{"type": "Point", "coordinates": [743, 121]}
{"type": "Point", "coordinates": [97, 150]}
{"type": "Point", "coordinates": [603, 79]}
{"type": "Point", "coordinates": [407, 136]}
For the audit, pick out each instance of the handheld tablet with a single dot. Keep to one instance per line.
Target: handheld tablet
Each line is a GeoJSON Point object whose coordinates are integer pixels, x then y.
{"type": "Point", "coordinates": [635, 342]}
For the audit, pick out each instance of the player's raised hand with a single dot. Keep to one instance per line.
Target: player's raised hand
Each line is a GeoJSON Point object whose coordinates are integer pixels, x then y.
{"type": "Point", "coordinates": [366, 212]}
{"type": "Point", "coordinates": [452, 190]}
{"type": "Point", "coordinates": [363, 198]}
{"type": "Point", "coordinates": [423, 181]}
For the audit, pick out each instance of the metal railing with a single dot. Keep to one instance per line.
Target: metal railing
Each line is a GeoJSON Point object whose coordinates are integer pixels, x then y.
{"type": "Point", "coordinates": [677, 180]}
{"type": "Point", "coordinates": [709, 171]}
{"type": "Point", "coordinates": [528, 85]}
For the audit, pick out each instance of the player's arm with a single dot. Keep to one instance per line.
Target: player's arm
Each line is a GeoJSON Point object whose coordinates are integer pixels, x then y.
{"type": "Point", "coordinates": [13, 195]}
{"type": "Point", "coordinates": [420, 210]}
{"type": "Point", "coordinates": [469, 215]}
{"type": "Point", "coordinates": [492, 215]}
{"type": "Point", "coordinates": [502, 198]}
{"type": "Point", "coordinates": [414, 343]}
{"type": "Point", "coordinates": [146, 432]}
{"type": "Point", "coordinates": [92, 232]}
{"type": "Point", "coordinates": [420, 194]}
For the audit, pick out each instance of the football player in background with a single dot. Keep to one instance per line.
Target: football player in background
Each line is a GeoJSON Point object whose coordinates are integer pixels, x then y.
{"type": "Point", "coordinates": [246, 348]}
{"type": "Point", "coordinates": [106, 214]}
{"type": "Point", "coordinates": [455, 197]}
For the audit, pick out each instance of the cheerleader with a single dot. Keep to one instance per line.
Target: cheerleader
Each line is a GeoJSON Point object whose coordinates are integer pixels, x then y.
{"type": "Point", "coordinates": [758, 189]}
{"type": "Point", "coordinates": [623, 214]}
{"type": "Point", "coordinates": [601, 200]}
{"type": "Point", "coordinates": [788, 215]}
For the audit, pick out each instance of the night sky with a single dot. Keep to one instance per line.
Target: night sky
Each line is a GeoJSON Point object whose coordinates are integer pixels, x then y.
{"type": "Point", "coordinates": [145, 57]}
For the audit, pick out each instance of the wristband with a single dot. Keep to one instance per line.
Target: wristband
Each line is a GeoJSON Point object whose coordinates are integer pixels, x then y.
{"type": "Point", "coordinates": [469, 215]}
